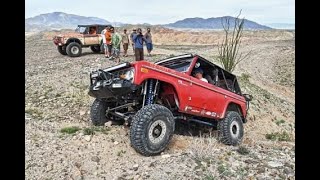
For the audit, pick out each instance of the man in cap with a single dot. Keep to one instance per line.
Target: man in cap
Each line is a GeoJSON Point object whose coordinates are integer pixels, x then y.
{"type": "Point", "coordinates": [198, 73]}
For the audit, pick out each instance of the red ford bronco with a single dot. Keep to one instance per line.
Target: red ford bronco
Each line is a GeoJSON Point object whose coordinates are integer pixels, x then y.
{"type": "Point", "coordinates": [150, 97]}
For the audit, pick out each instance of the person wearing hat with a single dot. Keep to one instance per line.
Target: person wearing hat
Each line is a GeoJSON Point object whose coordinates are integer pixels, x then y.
{"type": "Point", "coordinates": [198, 73]}
{"type": "Point", "coordinates": [138, 40]}
{"type": "Point", "coordinates": [125, 42]}
{"type": "Point", "coordinates": [134, 31]}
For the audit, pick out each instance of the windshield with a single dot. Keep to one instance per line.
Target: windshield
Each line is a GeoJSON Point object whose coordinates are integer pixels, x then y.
{"type": "Point", "coordinates": [181, 65]}
{"type": "Point", "coordinates": [81, 29]}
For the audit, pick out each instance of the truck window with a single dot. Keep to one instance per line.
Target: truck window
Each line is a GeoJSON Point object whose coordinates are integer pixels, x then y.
{"type": "Point", "coordinates": [181, 65]}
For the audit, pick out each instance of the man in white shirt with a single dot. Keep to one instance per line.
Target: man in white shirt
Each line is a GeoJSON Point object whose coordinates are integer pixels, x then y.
{"type": "Point", "coordinates": [198, 73]}
{"type": "Point", "coordinates": [103, 35]}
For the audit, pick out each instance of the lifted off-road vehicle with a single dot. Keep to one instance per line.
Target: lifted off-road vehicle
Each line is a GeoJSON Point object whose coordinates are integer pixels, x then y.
{"type": "Point", "coordinates": [150, 97]}
{"type": "Point", "coordinates": [71, 44]}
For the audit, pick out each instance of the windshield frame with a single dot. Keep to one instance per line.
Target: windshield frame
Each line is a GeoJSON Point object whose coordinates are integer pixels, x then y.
{"type": "Point", "coordinates": [79, 28]}
{"type": "Point", "coordinates": [172, 64]}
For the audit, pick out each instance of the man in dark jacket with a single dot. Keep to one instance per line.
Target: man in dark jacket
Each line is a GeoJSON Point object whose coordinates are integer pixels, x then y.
{"type": "Point", "coordinates": [138, 40]}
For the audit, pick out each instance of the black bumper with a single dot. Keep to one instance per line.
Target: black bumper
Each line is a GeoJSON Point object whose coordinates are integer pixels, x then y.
{"type": "Point", "coordinates": [114, 90]}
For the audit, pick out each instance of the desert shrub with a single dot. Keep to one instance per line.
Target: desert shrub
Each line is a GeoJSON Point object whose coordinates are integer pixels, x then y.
{"type": "Point", "coordinates": [280, 121]}
{"type": "Point", "coordinates": [203, 148]}
{"type": "Point", "coordinates": [70, 130]}
{"type": "Point", "coordinates": [228, 50]}
{"type": "Point", "coordinates": [243, 150]}
{"type": "Point", "coordinates": [277, 136]}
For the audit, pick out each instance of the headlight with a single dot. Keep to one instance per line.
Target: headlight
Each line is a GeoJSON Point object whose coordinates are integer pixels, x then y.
{"type": "Point", "coordinates": [94, 74]}
{"type": "Point", "coordinates": [128, 74]}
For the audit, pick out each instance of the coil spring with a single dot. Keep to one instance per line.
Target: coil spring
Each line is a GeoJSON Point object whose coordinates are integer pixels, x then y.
{"type": "Point", "coordinates": [149, 95]}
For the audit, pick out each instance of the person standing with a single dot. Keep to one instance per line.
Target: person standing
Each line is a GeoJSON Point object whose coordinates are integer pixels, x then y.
{"type": "Point", "coordinates": [104, 42]}
{"type": "Point", "coordinates": [138, 40]}
{"type": "Point", "coordinates": [125, 42]}
{"type": "Point", "coordinates": [149, 44]}
{"type": "Point", "coordinates": [134, 31]}
{"type": "Point", "coordinates": [115, 42]}
{"type": "Point", "coordinates": [108, 41]}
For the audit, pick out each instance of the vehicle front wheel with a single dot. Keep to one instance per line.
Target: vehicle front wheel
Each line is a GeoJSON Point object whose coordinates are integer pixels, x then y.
{"type": "Point", "coordinates": [74, 49]}
{"type": "Point", "coordinates": [231, 129]}
{"type": "Point", "coordinates": [99, 115]}
{"type": "Point", "coordinates": [98, 112]}
{"type": "Point", "coordinates": [95, 49]}
{"type": "Point", "coordinates": [151, 129]}
{"type": "Point", "coordinates": [62, 50]}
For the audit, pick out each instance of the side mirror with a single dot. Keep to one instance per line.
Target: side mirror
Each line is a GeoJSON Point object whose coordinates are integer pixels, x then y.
{"type": "Point", "coordinates": [248, 97]}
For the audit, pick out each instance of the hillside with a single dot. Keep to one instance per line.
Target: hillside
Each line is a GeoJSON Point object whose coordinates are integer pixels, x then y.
{"type": "Point", "coordinates": [59, 20]}
{"type": "Point", "coordinates": [213, 23]}
{"type": "Point", "coordinates": [61, 143]}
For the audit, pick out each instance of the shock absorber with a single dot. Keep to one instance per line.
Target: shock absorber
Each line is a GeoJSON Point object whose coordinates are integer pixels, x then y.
{"type": "Point", "coordinates": [149, 93]}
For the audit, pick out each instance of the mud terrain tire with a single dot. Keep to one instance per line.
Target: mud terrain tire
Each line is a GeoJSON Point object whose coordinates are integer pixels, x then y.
{"type": "Point", "coordinates": [74, 49]}
{"type": "Point", "coordinates": [99, 116]}
{"type": "Point", "coordinates": [62, 50]}
{"type": "Point", "coordinates": [230, 129]}
{"type": "Point", "coordinates": [98, 112]}
{"type": "Point", "coordinates": [151, 129]}
{"type": "Point", "coordinates": [95, 49]}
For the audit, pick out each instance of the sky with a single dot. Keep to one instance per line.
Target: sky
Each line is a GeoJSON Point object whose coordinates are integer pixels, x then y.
{"type": "Point", "coordinates": [167, 11]}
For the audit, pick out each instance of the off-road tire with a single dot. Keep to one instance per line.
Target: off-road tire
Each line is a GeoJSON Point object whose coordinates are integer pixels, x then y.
{"type": "Point", "coordinates": [230, 129]}
{"type": "Point", "coordinates": [99, 116]}
{"type": "Point", "coordinates": [62, 50]}
{"type": "Point", "coordinates": [98, 112]}
{"type": "Point", "coordinates": [95, 49]}
{"type": "Point", "coordinates": [74, 49]}
{"type": "Point", "coordinates": [142, 134]}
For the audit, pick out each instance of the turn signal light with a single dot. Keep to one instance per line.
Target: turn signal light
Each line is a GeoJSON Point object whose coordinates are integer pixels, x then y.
{"type": "Point", "coordinates": [144, 70]}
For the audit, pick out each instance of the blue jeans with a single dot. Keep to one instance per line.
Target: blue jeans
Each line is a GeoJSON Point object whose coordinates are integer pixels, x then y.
{"type": "Point", "coordinates": [149, 46]}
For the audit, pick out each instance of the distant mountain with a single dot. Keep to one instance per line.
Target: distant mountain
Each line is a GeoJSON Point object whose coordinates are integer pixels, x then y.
{"type": "Point", "coordinates": [59, 20]}
{"type": "Point", "coordinates": [212, 23]}
{"type": "Point", "coordinates": [281, 25]}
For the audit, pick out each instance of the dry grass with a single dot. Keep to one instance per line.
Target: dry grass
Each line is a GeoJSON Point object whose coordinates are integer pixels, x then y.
{"type": "Point", "coordinates": [204, 148]}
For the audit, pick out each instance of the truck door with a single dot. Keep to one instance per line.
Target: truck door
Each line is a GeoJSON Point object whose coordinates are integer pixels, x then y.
{"type": "Point", "coordinates": [91, 38]}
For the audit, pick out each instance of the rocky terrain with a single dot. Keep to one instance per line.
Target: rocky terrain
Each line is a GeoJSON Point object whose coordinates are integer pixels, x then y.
{"type": "Point", "coordinates": [61, 143]}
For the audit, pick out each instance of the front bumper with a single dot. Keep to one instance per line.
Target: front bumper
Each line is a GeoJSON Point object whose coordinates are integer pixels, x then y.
{"type": "Point", "coordinates": [58, 41]}
{"type": "Point", "coordinates": [117, 88]}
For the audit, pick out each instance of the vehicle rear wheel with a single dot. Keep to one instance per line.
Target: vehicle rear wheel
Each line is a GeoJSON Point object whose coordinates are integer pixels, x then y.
{"type": "Point", "coordinates": [74, 49]}
{"type": "Point", "coordinates": [62, 50]}
{"type": "Point", "coordinates": [95, 49]}
{"type": "Point", "coordinates": [231, 129]}
{"type": "Point", "coordinates": [151, 129]}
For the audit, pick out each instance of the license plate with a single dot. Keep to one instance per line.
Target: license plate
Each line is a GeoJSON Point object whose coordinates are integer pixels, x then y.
{"type": "Point", "coordinates": [116, 85]}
